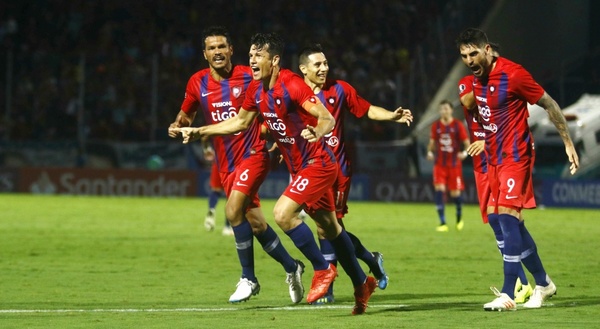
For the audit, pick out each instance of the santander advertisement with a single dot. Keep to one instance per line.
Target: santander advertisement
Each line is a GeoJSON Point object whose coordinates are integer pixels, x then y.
{"type": "Point", "coordinates": [120, 182]}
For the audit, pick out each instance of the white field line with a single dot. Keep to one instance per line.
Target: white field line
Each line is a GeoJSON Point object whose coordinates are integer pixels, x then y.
{"type": "Point", "coordinates": [197, 310]}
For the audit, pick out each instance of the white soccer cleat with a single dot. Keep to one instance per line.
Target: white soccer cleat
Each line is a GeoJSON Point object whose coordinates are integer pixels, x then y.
{"type": "Point", "coordinates": [294, 280]}
{"type": "Point", "coordinates": [245, 289]}
{"type": "Point", "coordinates": [227, 231]}
{"type": "Point", "coordinates": [541, 294]}
{"type": "Point", "coordinates": [501, 303]}
{"type": "Point", "coordinates": [209, 221]}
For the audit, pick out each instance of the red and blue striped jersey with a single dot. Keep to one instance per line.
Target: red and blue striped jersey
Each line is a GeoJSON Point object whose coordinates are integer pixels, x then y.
{"type": "Point", "coordinates": [284, 110]}
{"type": "Point", "coordinates": [476, 131]}
{"type": "Point", "coordinates": [448, 139]}
{"type": "Point", "coordinates": [219, 101]}
{"type": "Point", "coordinates": [340, 97]}
{"type": "Point", "coordinates": [502, 103]}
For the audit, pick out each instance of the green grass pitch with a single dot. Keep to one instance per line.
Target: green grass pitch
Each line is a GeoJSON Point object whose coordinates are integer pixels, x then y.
{"type": "Point", "coordinates": [93, 262]}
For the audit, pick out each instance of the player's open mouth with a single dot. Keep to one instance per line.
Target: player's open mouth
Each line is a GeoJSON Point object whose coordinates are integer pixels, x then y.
{"type": "Point", "coordinates": [218, 59]}
{"type": "Point", "coordinates": [476, 69]}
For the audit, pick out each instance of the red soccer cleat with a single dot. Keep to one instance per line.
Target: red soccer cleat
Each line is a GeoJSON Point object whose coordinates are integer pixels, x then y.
{"type": "Point", "coordinates": [362, 294]}
{"type": "Point", "coordinates": [320, 283]}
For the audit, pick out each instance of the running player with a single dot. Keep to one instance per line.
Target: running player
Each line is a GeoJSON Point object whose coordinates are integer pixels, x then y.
{"type": "Point", "coordinates": [297, 121]}
{"type": "Point", "coordinates": [447, 135]}
{"type": "Point", "coordinates": [242, 159]}
{"type": "Point", "coordinates": [502, 90]}
{"type": "Point", "coordinates": [340, 98]}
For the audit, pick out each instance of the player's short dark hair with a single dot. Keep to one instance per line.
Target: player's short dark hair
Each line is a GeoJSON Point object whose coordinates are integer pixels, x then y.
{"type": "Point", "coordinates": [272, 40]}
{"type": "Point", "coordinates": [472, 36]}
{"type": "Point", "coordinates": [215, 31]}
{"type": "Point", "coordinates": [495, 46]}
{"type": "Point", "coordinates": [307, 51]}
{"type": "Point", "coordinates": [446, 101]}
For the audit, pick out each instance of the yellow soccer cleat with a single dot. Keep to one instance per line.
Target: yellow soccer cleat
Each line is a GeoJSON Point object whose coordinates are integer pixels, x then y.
{"type": "Point", "coordinates": [523, 294]}
{"type": "Point", "coordinates": [442, 228]}
{"type": "Point", "coordinates": [460, 225]}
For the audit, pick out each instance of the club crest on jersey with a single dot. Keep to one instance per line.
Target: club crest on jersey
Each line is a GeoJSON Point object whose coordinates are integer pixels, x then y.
{"type": "Point", "coordinates": [278, 101]}
{"type": "Point", "coordinates": [331, 100]}
{"type": "Point", "coordinates": [313, 100]}
{"type": "Point", "coordinates": [492, 89]}
{"type": "Point", "coordinates": [236, 91]}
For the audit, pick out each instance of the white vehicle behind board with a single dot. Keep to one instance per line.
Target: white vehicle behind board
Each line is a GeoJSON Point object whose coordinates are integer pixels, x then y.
{"type": "Point", "coordinates": [583, 119]}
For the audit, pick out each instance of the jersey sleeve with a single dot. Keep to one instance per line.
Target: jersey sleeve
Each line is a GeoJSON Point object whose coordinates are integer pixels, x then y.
{"type": "Point", "coordinates": [525, 86]}
{"type": "Point", "coordinates": [301, 92]}
{"type": "Point", "coordinates": [357, 105]}
{"type": "Point", "coordinates": [190, 99]}
{"type": "Point", "coordinates": [465, 85]}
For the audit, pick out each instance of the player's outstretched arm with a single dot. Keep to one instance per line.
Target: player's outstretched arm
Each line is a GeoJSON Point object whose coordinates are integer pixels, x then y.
{"type": "Point", "coordinates": [400, 115]}
{"type": "Point", "coordinates": [230, 126]}
{"type": "Point", "coordinates": [559, 121]}
{"type": "Point", "coordinates": [181, 120]}
{"type": "Point", "coordinates": [325, 123]}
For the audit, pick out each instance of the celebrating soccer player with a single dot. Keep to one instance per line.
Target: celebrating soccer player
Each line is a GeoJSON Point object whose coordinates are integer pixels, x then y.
{"type": "Point", "coordinates": [340, 97]}
{"type": "Point", "coordinates": [297, 121]}
{"type": "Point", "coordinates": [523, 289]}
{"type": "Point", "coordinates": [502, 90]}
{"type": "Point", "coordinates": [446, 136]}
{"type": "Point", "coordinates": [242, 159]}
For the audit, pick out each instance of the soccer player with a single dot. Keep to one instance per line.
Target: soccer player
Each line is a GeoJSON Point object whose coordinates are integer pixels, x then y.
{"type": "Point", "coordinates": [477, 138]}
{"type": "Point", "coordinates": [297, 121]}
{"type": "Point", "coordinates": [447, 135]}
{"type": "Point", "coordinates": [340, 98]}
{"type": "Point", "coordinates": [243, 161]}
{"type": "Point", "coordinates": [502, 90]}
{"type": "Point", "coordinates": [216, 189]}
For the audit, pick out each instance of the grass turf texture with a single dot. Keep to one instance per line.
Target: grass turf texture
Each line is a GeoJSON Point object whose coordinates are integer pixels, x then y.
{"type": "Point", "coordinates": [93, 262]}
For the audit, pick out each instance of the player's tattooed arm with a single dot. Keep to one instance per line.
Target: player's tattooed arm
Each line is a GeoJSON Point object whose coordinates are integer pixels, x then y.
{"type": "Point", "coordinates": [556, 116]}
{"type": "Point", "coordinates": [559, 121]}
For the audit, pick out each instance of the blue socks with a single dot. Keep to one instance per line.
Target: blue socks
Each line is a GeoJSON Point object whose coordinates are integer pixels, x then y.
{"type": "Point", "coordinates": [513, 244]}
{"type": "Point", "coordinates": [495, 225]}
{"type": "Point", "coordinates": [329, 254]}
{"type": "Point", "coordinates": [304, 240]}
{"type": "Point", "coordinates": [344, 249]}
{"type": "Point", "coordinates": [213, 198]}
{"type": "Point", "coordinates": [439, 204]}
{"type": "Point", "coordinates": [244, 245]}
{"type": "Point", "coordinates": [272, 245]}
{"type": "Point", "coordinates": [530, 257]}
{"type": "Point", "coordinates": [458, 202]}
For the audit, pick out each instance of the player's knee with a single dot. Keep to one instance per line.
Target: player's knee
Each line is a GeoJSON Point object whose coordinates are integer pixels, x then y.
{"type": "Point", "coordinates": [233, 213]}
{"type": "Point", "coordinates": [257, 222]}
{"type": "Point", "coordinates": [282, 218]}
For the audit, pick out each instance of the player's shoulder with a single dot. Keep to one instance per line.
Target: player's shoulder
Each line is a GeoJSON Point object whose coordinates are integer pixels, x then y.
{"type": "Point", "coordinates": [200, 74]}
{"type": "Point", "coordinates": [509, 67]}
{"type": "Point", "coordinates": [466, 80]}
{"type": "Point", "coordinates": [242, 70]}
{"type": "Point", "coordinates": [289, 75]}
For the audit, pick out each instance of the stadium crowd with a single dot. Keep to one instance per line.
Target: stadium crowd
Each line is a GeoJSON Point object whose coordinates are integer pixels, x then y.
{"type": "Point", "coordinates": [117, 42]}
